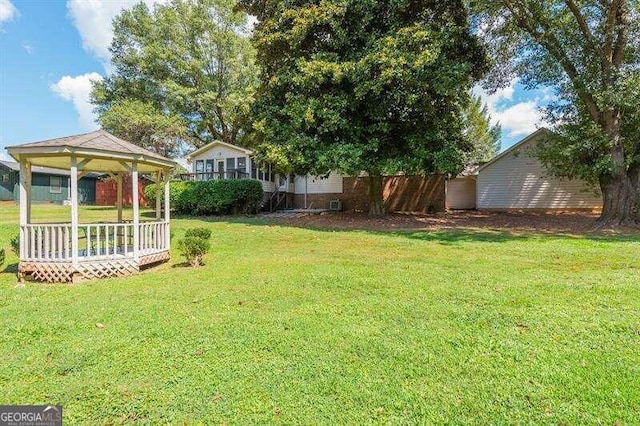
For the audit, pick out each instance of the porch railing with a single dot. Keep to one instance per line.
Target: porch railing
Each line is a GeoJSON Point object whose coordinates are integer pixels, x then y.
{"type": "Point", "coordinates": [52, 242]}
{"type": "Point", "coordinates": [206, 176]}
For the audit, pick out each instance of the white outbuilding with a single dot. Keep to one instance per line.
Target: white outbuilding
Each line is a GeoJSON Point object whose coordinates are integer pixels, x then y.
{"type": "Point", "coordinates": [516, 180]}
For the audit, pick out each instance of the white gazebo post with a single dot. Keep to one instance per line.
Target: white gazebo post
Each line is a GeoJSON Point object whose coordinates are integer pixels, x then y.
{"type": "Point", "coordinates": [25, 204]}
{"type": "Point", "coordinates": [25, 193]}
{"type": "Point", "coordinates": [158, 196]}
{"type": "Point", "coordinates": [74, 210]}
{"type": "Point", "coordinates": [167, 205]}
{"type": "Point", "coordinates": [119, 196]}
{"type": "Point", "coordinates": [136, 212]}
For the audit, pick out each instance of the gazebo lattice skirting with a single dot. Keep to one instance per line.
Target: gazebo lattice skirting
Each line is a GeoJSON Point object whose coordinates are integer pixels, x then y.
{"type": "Point", "coordinates": [63, 252]}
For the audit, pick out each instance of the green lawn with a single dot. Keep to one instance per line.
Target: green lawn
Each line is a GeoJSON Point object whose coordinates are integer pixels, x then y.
{"type": "Point", "coordinates": [292, 325]}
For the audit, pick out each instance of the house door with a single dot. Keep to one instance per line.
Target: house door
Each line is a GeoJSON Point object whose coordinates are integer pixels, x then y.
{"type": "Point", "coordinates": [221, 169]}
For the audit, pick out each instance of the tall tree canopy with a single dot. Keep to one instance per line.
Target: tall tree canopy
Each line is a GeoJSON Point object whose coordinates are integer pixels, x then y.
{"type": "Point", "coordinates": [480, 134]}
{"type": "Point", "coordinates": [589, 51]}
{"type": "Point", "coordinates": [187, 63]}
{"type": "Point", "coordinates": [364, 85]}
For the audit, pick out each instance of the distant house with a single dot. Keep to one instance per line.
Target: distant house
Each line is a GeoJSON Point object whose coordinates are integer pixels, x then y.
{"type": "Point", "coordinates": [220, 160]}
{"type": "Point", "coordinates": [515, 179]}
{"type": "Point", "coordinates": [48, 184]}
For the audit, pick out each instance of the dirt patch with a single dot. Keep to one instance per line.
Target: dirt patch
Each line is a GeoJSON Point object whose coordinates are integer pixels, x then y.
{"type": "Point", "coordinates": [542, 222]}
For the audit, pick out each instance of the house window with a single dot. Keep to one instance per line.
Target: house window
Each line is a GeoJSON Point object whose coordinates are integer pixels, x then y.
{"type": "Point", "coordinates": [209, 166]}
{"type": "Point", "coordinates": [199, 166]}
{"type": "Point", "coordinates": [231, 164]}
{"type": "Point", "coordinates": [55, 184]}
{"type": "Point", "coordinates": [254, 170]}
{"type": "Point", "coordinates": [242, 164]}
{"type": "Point", "coordinates": [5, 177]}
{"type": "Point", "coordinates": [261, 172]}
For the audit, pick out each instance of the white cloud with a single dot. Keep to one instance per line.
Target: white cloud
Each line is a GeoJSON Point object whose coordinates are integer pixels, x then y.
{"type": "Point", "coordinates": [28, 47]}
{"type": "Point", "coordinates": [520, 119]}
{"type": "Point", "coordinates": [78, 90]}
{"type": "Point", "coordinates": [516, 119]}
{"type": "Point", "coordinates": [7, 11]}
{"type": "Point", "coordinates": [92, 19]}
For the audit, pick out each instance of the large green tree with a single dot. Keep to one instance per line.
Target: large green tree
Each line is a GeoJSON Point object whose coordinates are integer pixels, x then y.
{"type": "Point", "coordinates": [479, 132]}
{"type": "Point", "coordinates": [142, 123]}
{"type": "Point", "coordinates": [187, 62]}
{"type": "Point", "coordinates": [589, 51]}
{"type": "Point", "coordinates": [364, 85]}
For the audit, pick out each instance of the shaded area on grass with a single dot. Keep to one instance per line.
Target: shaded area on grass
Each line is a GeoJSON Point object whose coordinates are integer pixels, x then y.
{"type": "Point", "coordinates": [445, 234]}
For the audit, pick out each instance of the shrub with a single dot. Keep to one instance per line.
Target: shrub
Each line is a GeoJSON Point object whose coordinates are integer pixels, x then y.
{"type": "Point", "coordinates": [14, 242]}
{"type": "Point", "coordinates": [2, 257]}
{"type": "Point", "coordinates": [175, 189]}
{"type": "Point", "coordinates": [195, 244]}
{"type": "Point", "coordinates": [203, 233]}
{"type": "Point", "coordinates": [216, 197]}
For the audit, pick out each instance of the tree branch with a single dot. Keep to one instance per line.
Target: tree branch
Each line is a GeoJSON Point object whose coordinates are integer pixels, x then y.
{"type": "Point", "coordinates": [223, 125]}
{"type": "Point", "coordinates": [550, 42]}
{"type": "Point", "coordinates": [608, 31]}
{"type": "Point", "coordinates": [621, 39]}
{"type": "Point", "coordinates": [581, 22]}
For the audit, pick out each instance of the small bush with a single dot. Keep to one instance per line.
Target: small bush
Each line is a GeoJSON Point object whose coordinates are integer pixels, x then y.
{"type": "Point", "coordinates": [2, 257]}
{"type": "Point", "coordinates": [203, 233]}
{"type": "Point", "coordinates": [195, 244]}
{"type": "Point", "coordinates": [14, 242]}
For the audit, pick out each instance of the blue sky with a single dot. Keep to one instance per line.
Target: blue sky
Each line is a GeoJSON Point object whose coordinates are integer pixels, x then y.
{"type": "Point", "coordinates": [51, 50]}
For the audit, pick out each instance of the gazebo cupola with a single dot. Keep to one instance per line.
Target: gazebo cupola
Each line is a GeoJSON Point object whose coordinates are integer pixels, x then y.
{"type": "Point", "coordinates": [66, 251]}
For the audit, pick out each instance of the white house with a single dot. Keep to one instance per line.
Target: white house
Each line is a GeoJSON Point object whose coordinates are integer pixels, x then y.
{"type": "Point", "coordinates": [220, 160]}
{"type": "Point", "coordinates": [515, 179]}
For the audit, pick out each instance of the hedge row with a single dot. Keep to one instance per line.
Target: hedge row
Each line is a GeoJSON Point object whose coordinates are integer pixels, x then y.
{"type": "Point", "coordinates": [215, 197]}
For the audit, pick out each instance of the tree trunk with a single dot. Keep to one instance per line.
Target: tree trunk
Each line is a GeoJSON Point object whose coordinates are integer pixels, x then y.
{"type": "Point", "coordinates": [621, 203]}
{"type": "Point", "coordinates": [376, 202]}
{"type": "Point", "coordinates": [620, 191]}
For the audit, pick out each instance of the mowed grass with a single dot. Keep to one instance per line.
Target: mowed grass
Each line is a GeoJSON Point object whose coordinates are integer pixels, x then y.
{"type": "Point", "coordinates": [291, 325]}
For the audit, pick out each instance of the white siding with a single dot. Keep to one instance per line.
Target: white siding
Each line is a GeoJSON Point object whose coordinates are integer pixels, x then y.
{"type": "Point", "coordinates": [268, 186]}
{"type": "Point", "coordinates": [217, 152]}
{"type": "Point", "coordinates": [319, 185]}
{"type": "Point", "coordinates": [517, 180]}
{"type": "Point", "coordinates": [461, 193]}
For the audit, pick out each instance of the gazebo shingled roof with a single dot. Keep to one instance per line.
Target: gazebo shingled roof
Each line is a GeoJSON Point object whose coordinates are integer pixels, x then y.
{"type": "Point", "coordinates": [106, 151]}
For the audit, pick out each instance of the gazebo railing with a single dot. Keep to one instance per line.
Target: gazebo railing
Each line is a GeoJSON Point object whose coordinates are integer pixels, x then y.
{"type": "Point", "coordinates": [47, 242]}
{"type": "Point", "coordinates": [153, 237]}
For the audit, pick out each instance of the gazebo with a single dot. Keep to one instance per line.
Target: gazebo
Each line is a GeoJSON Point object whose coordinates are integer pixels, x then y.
{"type": "Point", "coordinates": [68, 251]}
